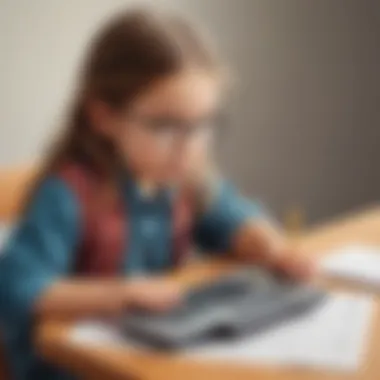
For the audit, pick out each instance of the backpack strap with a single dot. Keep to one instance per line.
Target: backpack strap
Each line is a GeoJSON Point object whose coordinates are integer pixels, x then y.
{"type": "Point", "coordinates": [183, 222]}
{"type": "Point", "coordinates": [104, 223]}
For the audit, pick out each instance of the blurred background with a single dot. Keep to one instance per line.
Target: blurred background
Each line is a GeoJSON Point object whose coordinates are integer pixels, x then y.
{"type": "Point", "coordinates": [305, 113]}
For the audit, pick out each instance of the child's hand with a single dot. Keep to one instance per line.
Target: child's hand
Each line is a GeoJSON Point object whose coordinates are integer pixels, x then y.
{"type": "Point", "coordinates": [294, 265]}
{"type": "Point", "coordinates": [153, 295]}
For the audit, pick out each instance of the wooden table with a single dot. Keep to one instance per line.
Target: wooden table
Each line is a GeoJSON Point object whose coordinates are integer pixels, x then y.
{"type": "Point", "coordinates": [118, 363]}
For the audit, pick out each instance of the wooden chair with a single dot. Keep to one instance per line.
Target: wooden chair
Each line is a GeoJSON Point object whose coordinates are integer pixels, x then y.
{"type": "Point", "coordinates": [13, 186]}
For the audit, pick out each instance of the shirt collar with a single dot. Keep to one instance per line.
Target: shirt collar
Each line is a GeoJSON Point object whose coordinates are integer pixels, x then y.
{"type": "Point", "coordinates": [143, 192]}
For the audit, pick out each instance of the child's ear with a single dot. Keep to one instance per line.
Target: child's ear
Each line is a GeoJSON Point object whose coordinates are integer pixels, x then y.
{"type": "Point", "coordinates": [102, 117]}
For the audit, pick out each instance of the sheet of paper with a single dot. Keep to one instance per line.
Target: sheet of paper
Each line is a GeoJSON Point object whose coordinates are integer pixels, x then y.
{"type": "Point", "coordinates": [97, 333]}
{"type": "Point", "coordinates": [333, 336]}
{"type": "Point", "coordinates": [355, 262]}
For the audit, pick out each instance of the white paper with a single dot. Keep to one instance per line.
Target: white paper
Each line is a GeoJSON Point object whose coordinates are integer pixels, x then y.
{"type": "Point", "coordinates": [97, 333]}
{"type": "Point", "coordinates": [355, 262]}
{"type": "Point", "coordinates": [332, 336]}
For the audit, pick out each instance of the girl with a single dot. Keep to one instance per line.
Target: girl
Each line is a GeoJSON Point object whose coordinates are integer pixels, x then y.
{"type": "Point", "coordinates": [128, 187]}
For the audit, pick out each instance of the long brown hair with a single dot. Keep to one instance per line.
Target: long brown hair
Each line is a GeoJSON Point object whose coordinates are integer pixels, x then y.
{"type": "Point", "coordinates": [132, 51]}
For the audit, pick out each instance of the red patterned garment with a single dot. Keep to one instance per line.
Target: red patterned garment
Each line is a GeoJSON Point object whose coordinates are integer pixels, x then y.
{"type": "Point", "coordinates": [105, 225]}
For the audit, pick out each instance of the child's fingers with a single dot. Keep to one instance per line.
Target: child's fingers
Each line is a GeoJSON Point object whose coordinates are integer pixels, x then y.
{"type": "Point", "coordinates": [155, 295]}
{"type": "Point", "coordinates": [297, 267]}
{"type": "Point", "coordinates": [307, 269]}
{"type": "Point", "coordinates": [159, 303]}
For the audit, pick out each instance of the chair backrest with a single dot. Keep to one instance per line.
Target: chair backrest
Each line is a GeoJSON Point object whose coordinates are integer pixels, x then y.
{"type": "Point", "coordinates": [13, 186]}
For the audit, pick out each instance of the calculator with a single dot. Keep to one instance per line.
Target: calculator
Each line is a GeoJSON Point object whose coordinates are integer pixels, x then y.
{"type": "Point", "coordinates": [246, 301]}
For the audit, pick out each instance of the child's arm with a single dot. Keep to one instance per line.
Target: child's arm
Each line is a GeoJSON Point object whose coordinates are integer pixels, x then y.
{"type": "Point", "coordinates": [37, 262]}
{"type": "Point", "coordinates": [83, 298]}
{"type": "Point", "coordinates": [262, 242]}
{"type": "Point", "coordinates": [234, 224]}
{"type": "Point", "coordinates": [80, 298]}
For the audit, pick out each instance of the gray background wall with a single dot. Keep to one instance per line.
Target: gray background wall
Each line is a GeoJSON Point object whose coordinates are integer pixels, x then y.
{"type": "Point", "coordinates": [305, 115]}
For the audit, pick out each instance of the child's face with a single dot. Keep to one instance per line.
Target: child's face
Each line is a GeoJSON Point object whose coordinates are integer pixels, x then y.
{"type": "Point", "coordinates": [168, 130]}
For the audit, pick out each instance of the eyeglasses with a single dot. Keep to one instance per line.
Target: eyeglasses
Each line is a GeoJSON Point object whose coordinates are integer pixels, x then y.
{"type": "Point", "coordinates": [169, 130]}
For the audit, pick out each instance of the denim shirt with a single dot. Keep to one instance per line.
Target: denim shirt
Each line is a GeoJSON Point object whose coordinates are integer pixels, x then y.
{"type": "Point", "coordinates": [42, 249]}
